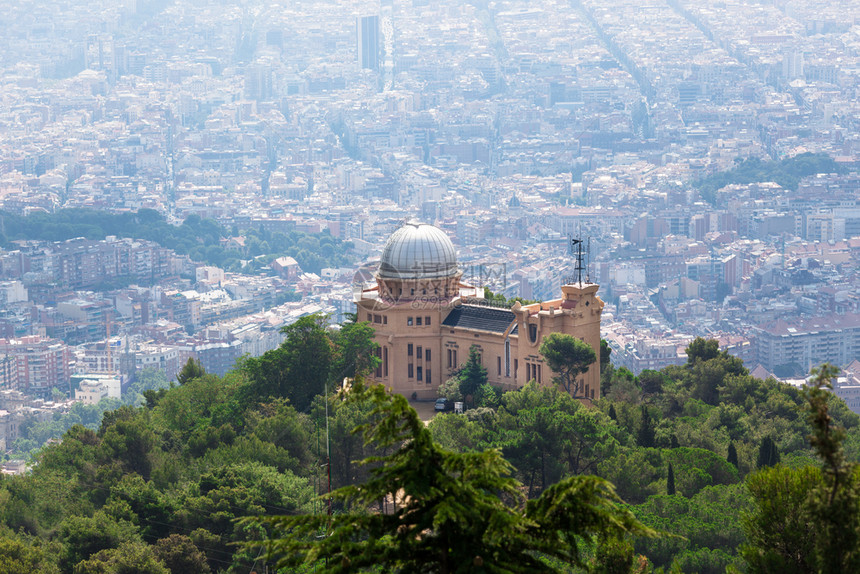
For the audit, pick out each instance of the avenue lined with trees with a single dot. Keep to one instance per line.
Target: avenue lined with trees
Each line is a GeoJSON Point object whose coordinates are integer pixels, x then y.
{"type": "Point", "coordinates": [221, 474]}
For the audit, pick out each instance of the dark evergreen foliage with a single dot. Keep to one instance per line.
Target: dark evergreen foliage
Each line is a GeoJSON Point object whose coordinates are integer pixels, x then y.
{"type": "Point", "coordinates": [569, 357]}
{"type": "Point", "coordinates": [732, 455]}
{"type": "Point", "coordinates": [670, 481]}
{"type": "Point", "coordinates": [768, 453]}
{"type": "Point", "coordinates": [195, 457]}
{"type": "Point", "coordinates": [645, 437]}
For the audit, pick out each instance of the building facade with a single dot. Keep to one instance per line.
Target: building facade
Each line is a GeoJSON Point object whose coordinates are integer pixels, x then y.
{"type": "Point", "coordinates": [427, 320]}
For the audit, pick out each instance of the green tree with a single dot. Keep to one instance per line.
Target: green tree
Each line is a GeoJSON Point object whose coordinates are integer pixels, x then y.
{"type": "Point", "coordinates": [298, 370]}
{"type": "Point", "coordinates": [19, 557]}
{"type": "Point", "coordinates": [781, 535]}
{"type": "Point", "coordinates": [808, 519]}
{"type": "Point", "coordinates": [645, 437]}
{"type": "Point", "coordinates": [180, 555]}
{"type": "Point", "coordinates": [458, 512]}
{"type": "Point", "coordinates": [129, 440]}
{"type": "Point", "coordinates": [355, 350]}
{"type": "Point", "coordinates": [670, 481]}
{"type": "Point", "coordinates": [450, 389]}
{"type": "Point", "coordinates": [651, 382]}
{"type": "Point", "coordinates": [191, 370]}
{"type": "Point", "coordinates": [605, 355]}
{"type": "Point", "coordinates": [569, 357]}
{"type": "Point", "coordinates": [472, 375]}
{"type": "Point", "coordinates": [768, 453]}
{"type": "Point", "coordinates": [732, 456]}
{"type": "Point", "coordinates": [545, 433]}
{"type": "Point", "coordinates": [835, 503]}
{"type": "Point", "coordinates": [614, 557]}
{"type": "Point", "coordinates": [84, 536]}
{"type": "Point", "coordinates": [129, 558]}
{"type": "Point", "coordinates": [701, 349]}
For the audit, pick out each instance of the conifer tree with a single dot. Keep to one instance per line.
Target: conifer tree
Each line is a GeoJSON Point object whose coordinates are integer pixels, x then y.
{"type": "Point", "coordinates": [569, 357]}
{"type": "Point", "coordinates": [670, 481]}
{"type": "Point", "coordinates": [473, 375]}
{"type": "Point", "coordinates": [768, 453]}
{"type": "Point", "coordinates": [732, 456]}
{"type": "Point", "coordinates": [646, 434]}
{"type": "Point", "coordinates": [191, 370]}
{"type": "Point", "coordinates": [454, 512]}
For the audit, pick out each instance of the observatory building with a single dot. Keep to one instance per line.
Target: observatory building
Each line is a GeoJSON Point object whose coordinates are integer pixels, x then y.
{"type": "Point", "coordinates": [426, 320]}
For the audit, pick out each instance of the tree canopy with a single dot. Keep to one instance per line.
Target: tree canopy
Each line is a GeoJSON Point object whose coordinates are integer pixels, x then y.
{"type": "Point", "coordinates": [569, 357]}
{"type": "Point", "coordinates": [452, 512]}
{"type": "Point", "coordinates": [177, 472]}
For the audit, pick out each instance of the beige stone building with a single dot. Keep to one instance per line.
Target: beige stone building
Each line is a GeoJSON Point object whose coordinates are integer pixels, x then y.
{"type": "Point", "coordinates": [426, 320]}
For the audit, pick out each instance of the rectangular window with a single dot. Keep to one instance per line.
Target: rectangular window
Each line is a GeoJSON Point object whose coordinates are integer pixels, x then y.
{"type": "Point", "coordinates": [418, 321]}
{"type": "Point", "coordinates": [385, 319]}
{"type": "Point", "coordinates": [586, 391]}
{"type": "Point", "coordinates": [449, 358]}
{"type": "Point", "coordinates": [419, 353]}
{"type": "Point", "coordinates": [378, 354]}
{"type": "Point", "coordinates": [539, 373]}
{"type": "Point", "coordinates": [418, 372]}
{"type": "Point", "coordinates": [427, 321]}
{"type": "Point", "coordinates": [408, 321]}
{"type": "Point", "coordinates": [409, 349]}
{"type": "Point", "coordinates": [499, 366]}
{"type": "Point", "coordinates": [385, 361]}
{"type": "Point", "coordinates": [455, 359]}
{"type": "Point", "coordinates": [428, 377]}
{"type": "Point", "coordinates": [410, 373]}
{"type": "Point", "coordinates": [369, 317]}
{"type": "Point", "coordinates": [377, 318]}
{"type": "Point", "coordinates": [427, 354]}
{"type": "Point", "coordinates": [516, 366]}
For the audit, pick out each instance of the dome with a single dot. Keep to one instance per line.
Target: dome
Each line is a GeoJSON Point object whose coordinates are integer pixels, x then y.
{"type": "Point", "coordinates": [418, 251]}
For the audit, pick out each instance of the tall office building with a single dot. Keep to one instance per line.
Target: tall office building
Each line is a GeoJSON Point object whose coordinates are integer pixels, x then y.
{"type": "Point", "coordinates": [367, 41]}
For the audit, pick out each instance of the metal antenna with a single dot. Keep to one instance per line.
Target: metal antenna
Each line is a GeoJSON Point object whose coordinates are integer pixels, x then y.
{"type": "Point", "coordinates": [577, 276]}
{"type": "Point", "coordinates": [588, 262]}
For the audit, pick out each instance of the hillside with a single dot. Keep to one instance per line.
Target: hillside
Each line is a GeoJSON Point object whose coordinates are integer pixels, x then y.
{"type": "Point", "coordinates": [159, 486]}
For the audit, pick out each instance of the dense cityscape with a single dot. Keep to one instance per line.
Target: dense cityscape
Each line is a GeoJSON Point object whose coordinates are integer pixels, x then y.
{"type": "Point", "coordinates": [181, 180]}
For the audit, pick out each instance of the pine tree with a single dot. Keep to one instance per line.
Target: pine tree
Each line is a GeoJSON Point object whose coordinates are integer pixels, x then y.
{"type": "Point", "coordinates": [645, 438]}
{"type": "Point", "coordinates": [612, 414]}
{"type": "Point", "coordinates": [670, 481]}
{"type": "Point", "coordinates": [455, 512]}
{"type": "Point", "coordinates": [732, 456]}
{"type": "Point", "coordinates": [192, 370]}
{"type": "Point", "coordinates": [473, 375]}
{"type": "Point", "coordinates": [768, 453]}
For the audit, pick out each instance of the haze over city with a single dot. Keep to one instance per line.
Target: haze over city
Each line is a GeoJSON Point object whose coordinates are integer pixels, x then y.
{"type": "Point", "coordinates": [214, 212]}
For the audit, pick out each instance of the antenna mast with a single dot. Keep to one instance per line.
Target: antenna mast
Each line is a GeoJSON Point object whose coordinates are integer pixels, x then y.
{"type": "Point", "coordinates": [588, 262]}
{"type": "Point", "coordinates": [577, 275]}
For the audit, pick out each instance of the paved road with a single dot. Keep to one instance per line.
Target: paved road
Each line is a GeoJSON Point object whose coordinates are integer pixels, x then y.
{"type": "Point", "coordinates": [426, 409]}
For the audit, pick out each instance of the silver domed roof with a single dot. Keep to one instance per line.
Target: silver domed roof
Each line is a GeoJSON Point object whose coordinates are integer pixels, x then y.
{"type": "Point", "coordinates": [418, 251]}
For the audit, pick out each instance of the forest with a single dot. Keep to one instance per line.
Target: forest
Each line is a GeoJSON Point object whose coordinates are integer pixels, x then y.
{"type": "Point", "coordinates": [196, 237]}
{"type": "Point", "coordinates": [197, 475]}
